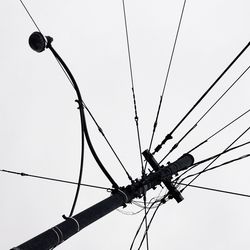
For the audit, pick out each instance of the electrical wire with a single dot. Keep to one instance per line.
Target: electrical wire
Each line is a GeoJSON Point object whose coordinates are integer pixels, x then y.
{"type": "Point", "coordinates": [53, 179]}
{"type": "Point", "coordinates": [201, 118]}
{"type": "Point", "coordinates": [136, 118]}
{"type": "Point", "coordinates": [132, 82]}
{"type": "Point", "coordinates": [150, 222]}
{"type": "Point", "coordinates": [146, 220]}
{"type": "Point", "coordinates": [32, 19]}
{"type": "Point", "coordinates": [215, 190]}
{"type": "Point", "coordinates": [220, 130]}
{"type": "Point", "coordinates": [169, 136]}
{"type": "Point", "coordinates": [161, 201]}
{"type": "Point", "coordinates": [139, 228]}
{"type": "Point", "coordinates": [215, 167]}
{"type": "Point", "coordinates": [216, 158]}
{"type": "Point", "coordinates": [167, 75]}
{"type": "Point", "coordinates": [210, 158]}
{"type": "Point", "coordinates": [74, 84]}
{"type": "Point", "coordinates": [107, 141]}
{"type": "Point", "coordinates": [82, 118]}
{"type": "Point", "coordinates": [99, 128]}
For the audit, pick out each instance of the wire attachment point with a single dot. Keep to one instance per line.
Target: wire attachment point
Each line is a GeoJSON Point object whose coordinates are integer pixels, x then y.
{"type": "Point", "coordinates": [168, 137]}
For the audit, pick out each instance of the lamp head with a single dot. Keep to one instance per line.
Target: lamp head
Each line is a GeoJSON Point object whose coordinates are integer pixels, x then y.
{"type": "Point", "coordinates": [38, 42]}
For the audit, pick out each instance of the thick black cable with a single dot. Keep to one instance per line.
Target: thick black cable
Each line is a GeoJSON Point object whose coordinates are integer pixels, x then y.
{"type": "Point", "coordinates": [83, 129]}
{"type": "Point", "coordinates": [216, 102]}
{"type": "Point", "coordinates": [73, 82]}
{"type": "Point", "coordinates": [99, 128]}
{"type": "Point", "coordinates": [216, 158]}
{"type": "Point", "coordinates": [32, 19]}
{"type": "Point", "coordinates": [52, 179]}
{"type": "Point", "coordinates": [167, 75]}
{"type": "Point", "coordinates": [83, 117]}
{"type": "Point", "coordinates": [169, 136]}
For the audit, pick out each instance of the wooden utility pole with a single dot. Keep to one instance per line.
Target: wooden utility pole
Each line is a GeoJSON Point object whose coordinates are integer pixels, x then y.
{"type": "Point", "coordinates": [119, 197]}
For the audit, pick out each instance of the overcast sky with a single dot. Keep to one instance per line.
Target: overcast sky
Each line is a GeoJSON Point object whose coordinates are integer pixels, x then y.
{"type": "Point", "coordinates": [40, 126]}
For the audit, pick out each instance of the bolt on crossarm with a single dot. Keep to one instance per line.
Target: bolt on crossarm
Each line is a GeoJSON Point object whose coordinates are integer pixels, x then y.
{"type": "Point", "coordinates": [72, 225]}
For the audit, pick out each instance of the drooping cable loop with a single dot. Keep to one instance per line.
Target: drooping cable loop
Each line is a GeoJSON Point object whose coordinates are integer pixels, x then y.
{"type": "Point", "coordinates": [169, 136]}
{"type": "Point", "coordinates": [82, 118]}
{"type": "Point", "coordinates": [38, 42]}
{"type": "Point", "coordinates": [81, 107]}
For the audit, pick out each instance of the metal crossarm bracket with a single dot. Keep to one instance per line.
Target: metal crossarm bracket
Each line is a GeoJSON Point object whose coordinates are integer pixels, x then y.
{"type": "Point", "coordinates": [181, 164]}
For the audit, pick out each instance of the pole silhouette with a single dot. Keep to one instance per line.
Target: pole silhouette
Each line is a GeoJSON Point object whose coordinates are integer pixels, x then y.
{"type": "Point", "coordinates": [119, 197]}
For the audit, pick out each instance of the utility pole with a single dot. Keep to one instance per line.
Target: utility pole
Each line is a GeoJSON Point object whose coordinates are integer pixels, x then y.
{"type": "Point", "coordinates": [119, 197]}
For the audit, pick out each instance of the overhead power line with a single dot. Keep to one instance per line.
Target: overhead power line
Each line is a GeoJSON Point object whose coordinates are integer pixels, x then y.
{"type": "Point", "coordinates": [201, 118]}
{"type": "Point", "coordinates": [218, 166]}
{"type": "Point", "coordinates": [215, 190]}
{"type": "Point", "coordinates": [167, 75]}
{"type": "Point", "coordinates": [105, 188]}
{"type": "Point", "coordinates": [210, 158]}
{"type": "Point", "coordinates": [107, 141]}
{"type": "Point", "coordinates": [244, 132]}
{"type": "Point", "coordinates": [52, 179]}
{"type": "Point", "coordinates": [136, 118]}
{"type": "Point", "coordinates": [32, 19]}
{"type": "Point", "coordinates": [169, 136]}
{"type": "Point", "coordinates": [218, 131]}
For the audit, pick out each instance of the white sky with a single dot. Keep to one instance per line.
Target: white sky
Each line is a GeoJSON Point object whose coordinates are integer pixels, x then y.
{"type": "Point", "coordinates": [40, 126]}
